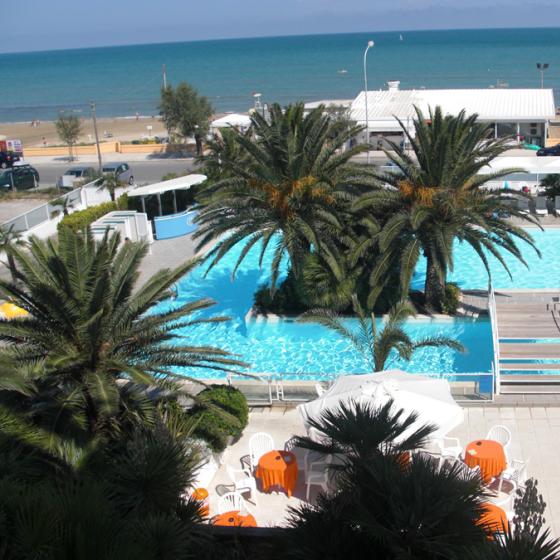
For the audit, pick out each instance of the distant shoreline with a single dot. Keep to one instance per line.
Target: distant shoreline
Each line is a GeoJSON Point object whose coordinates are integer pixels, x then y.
{"type": "Point", "coordinates": [110, 129]}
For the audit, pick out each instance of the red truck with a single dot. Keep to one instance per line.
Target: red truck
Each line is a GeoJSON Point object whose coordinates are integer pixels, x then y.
{"type": "Point", "coordinates": [11, 150]}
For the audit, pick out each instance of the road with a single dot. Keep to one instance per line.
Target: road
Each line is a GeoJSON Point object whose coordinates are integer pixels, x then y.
{"type": "Point", "coordinates": [144, 172]}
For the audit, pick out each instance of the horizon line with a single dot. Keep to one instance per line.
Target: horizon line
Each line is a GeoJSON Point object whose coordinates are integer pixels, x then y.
{"type": "Point", "coordinates": [216, 39]}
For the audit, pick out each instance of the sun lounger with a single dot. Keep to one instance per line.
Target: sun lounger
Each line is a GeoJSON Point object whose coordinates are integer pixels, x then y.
{"type": "Point", "coordinates": [541, 208]}
{"type": "Point", "coordinates": [523, 205]}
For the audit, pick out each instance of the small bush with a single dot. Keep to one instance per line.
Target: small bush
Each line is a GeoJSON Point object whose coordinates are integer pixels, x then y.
{"type": "Point", "coordinates": [216, 426]}
{"type": "Point", "coordinates": [80, 220]}
{"type": "Point", "coordinates": [451, 298]}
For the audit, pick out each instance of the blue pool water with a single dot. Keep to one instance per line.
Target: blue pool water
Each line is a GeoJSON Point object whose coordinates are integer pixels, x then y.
{"type": "Point", "coordinates": [539, 273]}
{"type": "Point", "coordinates": [308, 351]}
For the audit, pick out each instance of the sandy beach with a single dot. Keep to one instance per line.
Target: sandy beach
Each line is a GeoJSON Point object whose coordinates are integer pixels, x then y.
{"type": "Point", "coordinates": [123, 129]}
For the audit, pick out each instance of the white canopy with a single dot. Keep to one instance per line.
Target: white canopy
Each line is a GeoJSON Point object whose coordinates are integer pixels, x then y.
{"type": "Point", "coordinates": [233, 120]}
{"type": "Point", "coordinates": [179, 183]}
{"type": "Point", "coordinates": [430, 398]}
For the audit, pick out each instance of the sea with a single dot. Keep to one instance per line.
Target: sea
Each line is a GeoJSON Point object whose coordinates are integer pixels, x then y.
{"type": "Point", "coordinates": [126, 80]}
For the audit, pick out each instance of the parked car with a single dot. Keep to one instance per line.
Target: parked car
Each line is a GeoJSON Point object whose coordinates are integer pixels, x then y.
{"type": "Point", "coordinates": [550, 151]}
{"type": "Point", "coordinates": [74, 174]}
{"type": "Point", "coordinates": [121, 171]}
{"type": "Point", "coordinates": [7, 159]}
{"type": "Point", "coordinates": [20, 178]}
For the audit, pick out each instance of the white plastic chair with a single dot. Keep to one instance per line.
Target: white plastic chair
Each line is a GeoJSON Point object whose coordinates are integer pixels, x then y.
{"type": "Point", "coordinates": [515, 473]}
{"type": "Point", "coordinates": [243, 484]}
{"type": "Point", "coordinates": [500, 434]}
{"type": "Point", "coordinates": [449, 447]}
{"type": "Point", "coordinates": [259, 444]}
{"type": "Point", "coordinates": [317, 474]}
{"type": "Point", "coordinates": [232, 501]}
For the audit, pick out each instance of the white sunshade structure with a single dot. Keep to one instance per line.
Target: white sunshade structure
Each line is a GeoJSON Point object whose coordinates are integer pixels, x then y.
{"type": "Point", "coordinates": [429, 398]}
{"type": "Point", "coordinates": [234, 120]}
{"type": "Point", "coordinates": [177, 184]}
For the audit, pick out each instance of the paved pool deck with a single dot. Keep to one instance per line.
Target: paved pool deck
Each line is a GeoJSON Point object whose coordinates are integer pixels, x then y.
{"type": "Point", "coordinates": [535, 433]}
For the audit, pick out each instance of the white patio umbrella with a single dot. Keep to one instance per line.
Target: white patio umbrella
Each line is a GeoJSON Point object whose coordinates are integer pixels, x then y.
{"type": "Point", "coordinates": [429, 398]}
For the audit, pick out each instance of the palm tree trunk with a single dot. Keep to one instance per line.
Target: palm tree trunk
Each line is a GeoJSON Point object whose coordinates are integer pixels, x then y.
{"type": "Point", "coordinates": [12, 266]}
{"type": "Point", "coordinates": [434, 288]}
{"type": "Point", "coordinates": [198, 140]}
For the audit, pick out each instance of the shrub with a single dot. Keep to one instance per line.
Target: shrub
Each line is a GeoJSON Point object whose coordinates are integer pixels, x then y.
{"type": "Point", "coordinates": [451, 298]}
{"type": "Point", "coordinates": [80, 220]}
{"type": "Point", "coordinates": [290, 298]}
{"type": "Point", "coordinates": [222, 412]}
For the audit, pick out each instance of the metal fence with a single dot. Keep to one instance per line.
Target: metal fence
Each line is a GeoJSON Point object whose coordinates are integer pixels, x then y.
{"type": "Point", "coordinates": [41, 214]}
{"type": "Point", "coordinates": [495, 337]}
{"type": "Point", "coordinates": [268, 388]}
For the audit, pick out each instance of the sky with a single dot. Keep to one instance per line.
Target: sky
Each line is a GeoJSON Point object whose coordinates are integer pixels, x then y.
{"type": "Point", "coordinates": [30, 25]}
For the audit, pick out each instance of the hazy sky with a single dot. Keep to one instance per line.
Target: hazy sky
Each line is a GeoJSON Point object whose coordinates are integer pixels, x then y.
{"type": "Point", "coordinates": [55, 24]}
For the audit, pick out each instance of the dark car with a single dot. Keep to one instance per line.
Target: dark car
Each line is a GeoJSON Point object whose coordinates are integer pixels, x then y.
{"type": "Point", "coordinates": [7, 159]}
{"type": "Point", "coordinates": [19, 178]}
{"type": "Point", "coordinates": [551, 151]}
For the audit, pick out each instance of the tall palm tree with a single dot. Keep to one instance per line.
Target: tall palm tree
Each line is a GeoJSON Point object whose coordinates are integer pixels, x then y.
{"type": "Point", "coordinates": [91, 344]}
{"type": "Point", "coordinates": [379, 346]}
{"type": "Point", "coordinates": [285, 190]}
{"type": "Point", "coordinates": [221, 152]}
{"type": "Point", "coordinates": [438, 196]}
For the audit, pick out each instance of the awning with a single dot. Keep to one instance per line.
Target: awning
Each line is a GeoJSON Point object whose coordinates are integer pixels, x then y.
{"type": "Point", "coordinates": [180, 183]}
{"type": "Point", "coordinates": [235, 120]}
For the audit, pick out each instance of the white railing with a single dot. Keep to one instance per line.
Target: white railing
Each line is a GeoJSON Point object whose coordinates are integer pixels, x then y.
{"type": "Point", "coordinates": [495, 337]}
{"type": "Point", "coordinates": [41, 214]}
{"type": "Point", "coordinates": [276, 385]}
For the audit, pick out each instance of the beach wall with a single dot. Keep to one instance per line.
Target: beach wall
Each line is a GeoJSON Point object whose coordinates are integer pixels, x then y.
{"type": "Point", "coordinates": [105, 148]}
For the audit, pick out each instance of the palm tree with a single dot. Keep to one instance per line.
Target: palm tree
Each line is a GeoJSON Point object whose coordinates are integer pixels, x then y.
{"type": "Point", "coordinates": [551, 184]}
{"type": "Point", "coordinates": [380, 503]}
{"type": "Point", "coordinates": [437, 196]}
{"type": "Point", "coordinates": [221, 152]}
{"type": "Point", "coordinates": [110, 182]}
{"type": "Point", "coordinates": [9, 238]}
{"type": "Point", "coordinates": [379, 345]}
{"type": "Point", "coordinates": [284, 191]}
{"type": "Point", "coordinates": [92, 343]}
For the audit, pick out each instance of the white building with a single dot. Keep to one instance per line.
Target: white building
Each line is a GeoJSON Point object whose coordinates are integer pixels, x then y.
{"type": "Point", "coordinates": [523, 113]}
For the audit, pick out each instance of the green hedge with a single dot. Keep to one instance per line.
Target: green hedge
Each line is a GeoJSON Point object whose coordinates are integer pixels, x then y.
{"type": "Point", "coordinates": [216, 426]}
{"type": "Point", "coordinates": [80, 220]}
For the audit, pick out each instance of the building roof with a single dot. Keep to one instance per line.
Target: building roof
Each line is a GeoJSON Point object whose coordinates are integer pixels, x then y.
{"type": "Point", "coordinates": [530, 164]}
{"type": "Point", "coordinates": [511, 105]}
{"type": "Point", "coordinates": [344, 103]}
{"type": "Point", "coordinates": [179, 183]}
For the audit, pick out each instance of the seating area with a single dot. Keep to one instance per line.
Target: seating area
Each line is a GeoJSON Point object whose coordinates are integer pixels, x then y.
{"type": "Point", "coordinates": [502, 457]}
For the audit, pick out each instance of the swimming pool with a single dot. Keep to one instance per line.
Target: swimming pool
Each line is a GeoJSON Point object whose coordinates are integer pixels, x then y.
{"type": "Point", "coordinates": [308, 351]}
{"type": "Point", "coordinates": [469, 272]}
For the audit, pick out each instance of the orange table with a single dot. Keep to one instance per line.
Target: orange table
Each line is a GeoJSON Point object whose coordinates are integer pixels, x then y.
{"type": "Point", "coordinates": [201, 495]}
{"type": "Point", "coordinates": [494, 518]}
{"type": "Point", "coordinates": [488, 455]}
{"type": "Point", "coordinates": [234, 519]}
{"type": "Point", "coordinates": [278, 468]}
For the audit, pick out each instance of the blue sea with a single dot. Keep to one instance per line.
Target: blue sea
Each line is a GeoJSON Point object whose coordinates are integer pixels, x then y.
{"type": "Point", "coordinates": [126, 80]}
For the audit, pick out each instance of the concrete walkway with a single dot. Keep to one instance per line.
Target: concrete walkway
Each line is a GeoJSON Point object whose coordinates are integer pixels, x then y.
{"type": "Point", "coordinates": [535, 431]}
{"type": "Point", "coordinates": [167, 253]}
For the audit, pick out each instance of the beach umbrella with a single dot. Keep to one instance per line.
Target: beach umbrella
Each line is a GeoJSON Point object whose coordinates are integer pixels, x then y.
{"type": "Point", "coordinates": [11, 311]}
{"type": "Point", "coordinates": [429, 398]}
